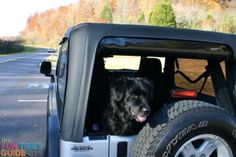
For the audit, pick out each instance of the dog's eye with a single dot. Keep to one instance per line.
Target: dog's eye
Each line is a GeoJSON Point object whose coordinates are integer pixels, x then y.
{"type": "Point", "coordinates": [133, 96]}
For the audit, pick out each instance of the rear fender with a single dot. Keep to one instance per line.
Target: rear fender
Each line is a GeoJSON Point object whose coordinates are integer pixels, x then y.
{"type": "Point", "coordinates": [52, 124]}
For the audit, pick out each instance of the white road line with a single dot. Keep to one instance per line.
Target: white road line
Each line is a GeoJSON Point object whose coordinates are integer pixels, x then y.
{"type": "Point", "coordinates": [24, 77]}
{"type": "Point", "coordinates": [9, 60]}
{"type": "Point", "coordinates": [31, 100]}
{"type": "Point", "coordinates": [13, 59]}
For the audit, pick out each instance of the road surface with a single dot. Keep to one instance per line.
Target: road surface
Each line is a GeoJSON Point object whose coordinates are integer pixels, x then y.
{"type": "Point", "coordinates": [23, 93]}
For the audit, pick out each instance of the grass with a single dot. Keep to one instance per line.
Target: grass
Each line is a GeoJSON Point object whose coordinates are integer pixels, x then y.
{"type": "Point", "coordinates": [29, 49]}
{"type": "Point", "coordinates": [26, 49]}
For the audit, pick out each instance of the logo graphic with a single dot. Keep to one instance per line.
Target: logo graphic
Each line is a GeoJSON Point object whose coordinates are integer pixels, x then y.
{"type": "Point", "coordinates": [82, 148]}
{"type": "Point", "coordinates": [11, 149]}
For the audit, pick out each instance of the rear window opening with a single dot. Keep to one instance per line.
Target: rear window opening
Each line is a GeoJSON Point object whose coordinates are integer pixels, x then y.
{"type": "Point", "coordinates": [178, 70]}
{"type": "Point", "coordinates": [168, 83]}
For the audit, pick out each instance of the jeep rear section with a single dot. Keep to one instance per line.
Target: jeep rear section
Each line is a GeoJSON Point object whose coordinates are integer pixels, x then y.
{"type": "Point", "coordinates": [88, 44]}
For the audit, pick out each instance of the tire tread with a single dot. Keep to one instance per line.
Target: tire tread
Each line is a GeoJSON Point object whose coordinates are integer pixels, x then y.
{"type": "Point", "coordinates": [170, 112]}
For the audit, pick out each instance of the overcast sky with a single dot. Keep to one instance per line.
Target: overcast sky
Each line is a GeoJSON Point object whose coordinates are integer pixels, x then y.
{"type": "Point", "coordinates": [14, 13]}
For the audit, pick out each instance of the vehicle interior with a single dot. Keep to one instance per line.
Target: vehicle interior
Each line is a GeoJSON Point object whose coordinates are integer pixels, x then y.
{"type": "Point", "coordinates": [178, 69]}
{"type": "Point", "coordinates": [173, 78]}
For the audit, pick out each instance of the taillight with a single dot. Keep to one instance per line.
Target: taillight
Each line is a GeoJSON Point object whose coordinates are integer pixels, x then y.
{"type": "Point", "coordinates": [183, 93]}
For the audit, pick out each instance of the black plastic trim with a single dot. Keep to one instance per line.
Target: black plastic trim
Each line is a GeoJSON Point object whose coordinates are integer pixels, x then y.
{"type": "Point", "coordinates": [164, 47]}
{"type": "Point", "coordinates": [122, 149]}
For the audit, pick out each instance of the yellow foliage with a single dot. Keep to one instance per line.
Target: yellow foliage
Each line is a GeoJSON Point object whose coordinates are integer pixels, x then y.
{"type": "Point", "coordinates": [212, 5]}
{"type": "Point", "coordinates": [49, 26]}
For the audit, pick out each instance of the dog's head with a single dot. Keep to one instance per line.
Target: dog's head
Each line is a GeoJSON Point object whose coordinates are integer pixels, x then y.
{"type": "Point", "coordinates": [133, 95]}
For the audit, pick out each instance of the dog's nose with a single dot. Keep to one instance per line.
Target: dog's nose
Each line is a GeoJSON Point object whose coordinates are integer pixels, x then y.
{"type": "Point", "coordinates": [146, 111]}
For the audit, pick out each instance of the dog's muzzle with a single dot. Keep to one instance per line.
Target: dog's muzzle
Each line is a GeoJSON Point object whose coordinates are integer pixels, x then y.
{"type": "Point", "coordinates": [141, 117]}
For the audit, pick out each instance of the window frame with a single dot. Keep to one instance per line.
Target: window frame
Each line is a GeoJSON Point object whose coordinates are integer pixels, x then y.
{"type": "Point", "coordinates": [61, 76]}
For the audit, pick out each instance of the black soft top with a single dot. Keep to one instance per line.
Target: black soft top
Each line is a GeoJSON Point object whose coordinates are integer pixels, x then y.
{"type": "Point", "coordinates": [86, 39]}
{"type": "Point", "coordinates": [100, 31]}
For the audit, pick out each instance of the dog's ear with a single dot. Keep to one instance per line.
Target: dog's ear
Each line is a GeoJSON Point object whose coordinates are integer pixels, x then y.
{"type": "Point", "coordinates": [118, 87]}
{"type": "Point", "coordinates": [148, 85]}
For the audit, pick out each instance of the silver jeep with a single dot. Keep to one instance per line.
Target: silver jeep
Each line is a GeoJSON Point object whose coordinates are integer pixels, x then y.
{"type": "Point", "coordinates": [194, 74]}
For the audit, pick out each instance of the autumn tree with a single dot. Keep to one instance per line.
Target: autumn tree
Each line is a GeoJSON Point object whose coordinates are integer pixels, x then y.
{"type": "Point", "coordinates": [47, 28]}
{"type": "Point", "coordinates": [122, 11]}
{"type": "Point", "coordinates": [163, 15]}
{"type": "Point", "coordinates": [86, 10]}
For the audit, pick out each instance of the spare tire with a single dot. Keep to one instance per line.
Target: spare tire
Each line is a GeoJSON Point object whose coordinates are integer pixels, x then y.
{"type": "Point", "coordinates": [188, 128]}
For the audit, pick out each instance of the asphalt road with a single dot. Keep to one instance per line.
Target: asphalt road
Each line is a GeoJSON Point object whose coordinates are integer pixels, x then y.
{"type": "Point", "coordinates": [23, 93]}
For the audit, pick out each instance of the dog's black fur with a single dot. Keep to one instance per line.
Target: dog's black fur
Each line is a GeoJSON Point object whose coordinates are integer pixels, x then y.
{"type": "Point", "coordinates": [129, 105]}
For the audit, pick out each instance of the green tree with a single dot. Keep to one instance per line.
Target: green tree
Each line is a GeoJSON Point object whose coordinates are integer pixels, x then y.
{"type": "Point", "coordinates": [141, 18]}
{"type": "Point", "coordinates": [163, 15]}
{"type": "Point", "coordinates": [106, 13]}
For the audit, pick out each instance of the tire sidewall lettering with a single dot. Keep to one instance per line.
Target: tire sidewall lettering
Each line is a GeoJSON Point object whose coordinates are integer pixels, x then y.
{"type": "Point", "coordinates": [234, 134]}
{"type": "Point", "coordinates": [165, 135]}
{"type": "Point", "coordinates": [182, 134]}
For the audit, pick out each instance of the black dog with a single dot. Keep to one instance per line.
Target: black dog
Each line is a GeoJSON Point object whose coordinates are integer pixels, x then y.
{"type": "Point", "coordinates": [129, 105]}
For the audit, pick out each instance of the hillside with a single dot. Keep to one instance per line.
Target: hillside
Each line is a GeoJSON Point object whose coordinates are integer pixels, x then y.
{"type": "Point", "coordinates": [46, 28]}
